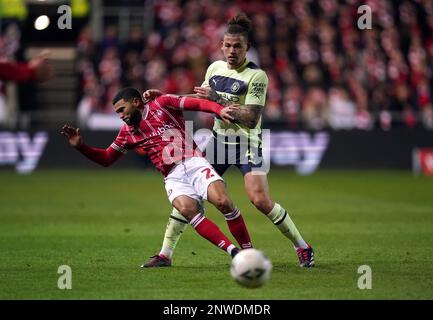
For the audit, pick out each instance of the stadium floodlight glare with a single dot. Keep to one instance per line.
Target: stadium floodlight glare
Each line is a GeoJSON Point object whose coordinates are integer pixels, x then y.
{"type": "Point", "coordinates": [42, 22]}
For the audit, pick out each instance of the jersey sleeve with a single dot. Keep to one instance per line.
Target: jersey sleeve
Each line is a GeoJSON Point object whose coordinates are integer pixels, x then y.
{"type": "Point", "coordinates": [121, 143]}
{"type": "Point", "coordinates": [104, 157]}
{"type": "Point", "coordinates": [257, 88]}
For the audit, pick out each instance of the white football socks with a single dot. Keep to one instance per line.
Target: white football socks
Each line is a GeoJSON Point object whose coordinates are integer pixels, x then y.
{"type": "Point", "coordinates": [175, 227]}
{"type": "Point", "coordinates": [282, 221]}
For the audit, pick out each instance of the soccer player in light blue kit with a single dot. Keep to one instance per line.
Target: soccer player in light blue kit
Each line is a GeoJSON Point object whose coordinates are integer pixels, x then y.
{"type": "Point", "coordinates": [239, 81]}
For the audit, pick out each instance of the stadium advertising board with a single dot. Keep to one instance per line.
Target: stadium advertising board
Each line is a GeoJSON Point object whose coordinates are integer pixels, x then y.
{"type": "Point", "coordinates": [22, 150]}
{"type": "Point", "coordinates": [305, 152]}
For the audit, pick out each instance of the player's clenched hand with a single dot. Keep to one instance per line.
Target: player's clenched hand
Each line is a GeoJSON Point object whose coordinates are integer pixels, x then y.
{"type": "Point", "coordinates": [152, 94]}
{"type": "Point", "coordinates": [73, 135]}
{"type": "Point", "coordinates": [226, 113]}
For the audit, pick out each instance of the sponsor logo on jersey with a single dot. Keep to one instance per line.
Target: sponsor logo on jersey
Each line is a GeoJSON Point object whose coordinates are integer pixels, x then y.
{"type": "Point", "coordinates": [229, 97]}
{"type": "Point", "coordinates": [258, 89]}
{"type": "Point", "coordinates": [162, 129]}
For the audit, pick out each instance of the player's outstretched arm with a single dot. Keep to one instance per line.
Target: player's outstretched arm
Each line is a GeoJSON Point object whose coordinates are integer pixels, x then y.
{"type": "Point", "coordinates": [196, 104]}
{"type": "Point", "coordinates": [152, 94]}
{"type": "Point", "coordinates": [103, 157]}
{"type": "Point", "coordinates": [248, 115]}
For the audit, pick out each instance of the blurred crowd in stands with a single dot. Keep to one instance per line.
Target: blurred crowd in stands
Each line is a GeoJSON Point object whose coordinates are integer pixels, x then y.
{"type": "Point", "coordinates": [323, 71]}
{"type": "Point", "coordinates": [9, 46]}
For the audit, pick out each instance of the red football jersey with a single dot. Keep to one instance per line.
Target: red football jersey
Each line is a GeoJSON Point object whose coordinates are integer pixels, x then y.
{"type": "Point", "coordinates": [160, 134]}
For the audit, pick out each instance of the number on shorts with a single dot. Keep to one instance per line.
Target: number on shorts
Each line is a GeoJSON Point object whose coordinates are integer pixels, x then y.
{"type": "Point", "coordinates": [208, 173]}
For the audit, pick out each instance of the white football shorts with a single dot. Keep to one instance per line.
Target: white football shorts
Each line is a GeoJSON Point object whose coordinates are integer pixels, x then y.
{"type": "Point", "coordinates": [190, 178]}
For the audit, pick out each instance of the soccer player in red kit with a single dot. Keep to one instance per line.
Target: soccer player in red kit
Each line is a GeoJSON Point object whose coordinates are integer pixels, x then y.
{"type": "Point", "coordinates": [157, 129]}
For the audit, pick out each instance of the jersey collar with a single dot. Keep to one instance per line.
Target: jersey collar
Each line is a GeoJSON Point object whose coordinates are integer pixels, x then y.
{"type": "Point", "coordinates": [242, 66]}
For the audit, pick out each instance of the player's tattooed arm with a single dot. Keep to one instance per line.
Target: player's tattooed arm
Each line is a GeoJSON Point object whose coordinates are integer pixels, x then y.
{"type": "Point", "coordinates": [210, 94]}
{"type": "Point", "coordinates": [248, 115]}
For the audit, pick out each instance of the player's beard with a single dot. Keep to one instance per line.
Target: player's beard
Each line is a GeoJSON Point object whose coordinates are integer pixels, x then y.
{"type": "Point", "coordinates": [135, 118]}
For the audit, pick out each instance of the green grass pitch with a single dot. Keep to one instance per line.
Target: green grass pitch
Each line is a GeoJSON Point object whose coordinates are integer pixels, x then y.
{"type": "Point", "coordinates": [104, 223]}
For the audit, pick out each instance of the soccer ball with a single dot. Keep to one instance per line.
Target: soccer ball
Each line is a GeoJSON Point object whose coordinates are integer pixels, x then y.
{"type": "Point", "coordinates": [251, 268]}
